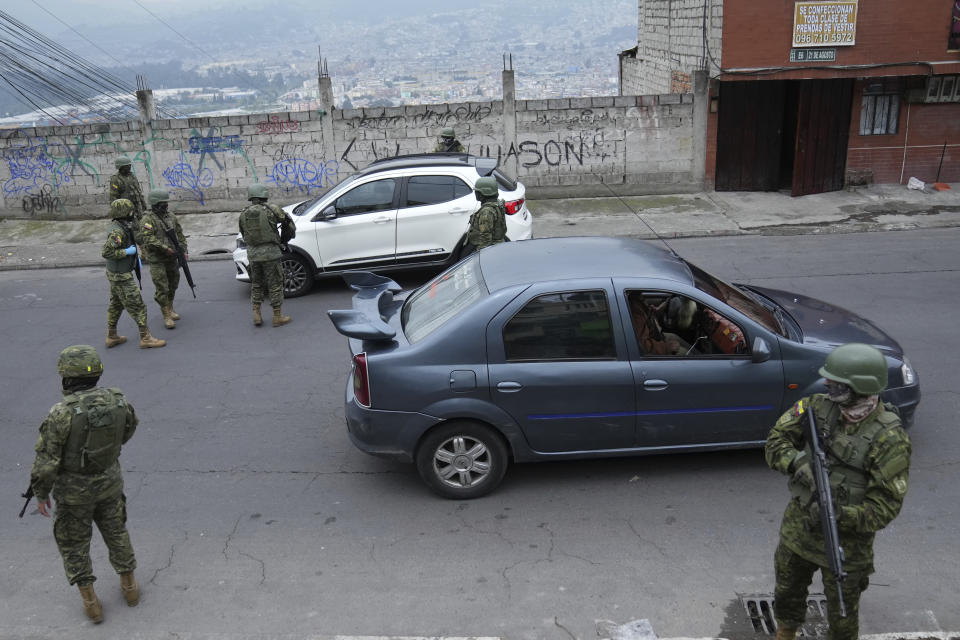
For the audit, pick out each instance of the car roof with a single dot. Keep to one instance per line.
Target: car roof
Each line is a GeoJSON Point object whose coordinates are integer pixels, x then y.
{"type": "Point", "coordinates": [483, 166]}
{"type": "Point", "coordinates": [528, 261]}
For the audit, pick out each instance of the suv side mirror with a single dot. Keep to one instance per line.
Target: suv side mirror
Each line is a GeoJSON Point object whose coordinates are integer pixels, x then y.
{"type": "Point", "coordinates": [330, 213]}
{"type": "Point", "coordinates": [761, 350]}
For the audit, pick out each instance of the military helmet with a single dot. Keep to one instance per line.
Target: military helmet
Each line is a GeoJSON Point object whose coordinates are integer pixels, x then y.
{"type": "Point", "coordinates": [122, 161]}
{"type": "Point", "coordinates": [79, 361]}
{"type": "Point", "coordinates": [257, 190]}
{"type": "Point", "coordinates": [860, 366]}
{"type": "Point", "coordinates": [487, 187]}
{"type": "Point", "coordinates": [158, 195]}
{"type": "Point", "coordinates": [447, 132]}
{"type": "Point", "coordinates": [120, 208]}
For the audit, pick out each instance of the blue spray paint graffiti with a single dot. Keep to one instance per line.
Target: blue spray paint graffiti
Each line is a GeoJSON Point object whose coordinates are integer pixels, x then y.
{"type": "Point", "coordinates": [30, 169]}
{"type": "Point", "coordinates": [181, 175]}
{"type": "Point", "coordinates": [301, 174]}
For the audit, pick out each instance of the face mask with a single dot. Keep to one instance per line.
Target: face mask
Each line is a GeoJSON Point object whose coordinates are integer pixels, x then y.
{"type": "Point", "coordinates": [839, 392]}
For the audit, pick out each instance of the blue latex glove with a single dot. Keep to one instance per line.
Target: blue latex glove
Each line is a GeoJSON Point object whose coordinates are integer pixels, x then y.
{"type": "Point", "coordinates": [132, 249]}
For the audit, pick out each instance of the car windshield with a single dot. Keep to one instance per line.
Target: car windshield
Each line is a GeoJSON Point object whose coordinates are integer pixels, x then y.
{"type": "Point", "coordinates": [435, 303]}
{"type": "Point", "coordinates": [736, 299]}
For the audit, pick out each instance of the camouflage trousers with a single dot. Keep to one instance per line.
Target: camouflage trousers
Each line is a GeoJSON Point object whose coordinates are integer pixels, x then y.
{"type": "Point", "coordinates": [73, 528]}
{"type": "Point", "coordinates": [267, 274]}
{"type": "Point", "coordinates": [794, 575]}
{"type": "Point", "coordinates": [166, 278]}
{"type": "Point", "coordinates": [125, 294]}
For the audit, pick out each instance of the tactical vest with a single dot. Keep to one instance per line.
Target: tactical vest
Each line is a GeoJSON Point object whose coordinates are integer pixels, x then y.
{"type": "Point", "coordinates": [256, 226]}
{"type": "Point", "coordinates": [499, 232]}
{"type": "Point", "coordinates": [500, 228]}
{"type": "Point", "coordinates": [846, 453]}
{"type": "Point", "coordinates": [126, 263]}
{"type": "Point", "coordinates": [98, 420]}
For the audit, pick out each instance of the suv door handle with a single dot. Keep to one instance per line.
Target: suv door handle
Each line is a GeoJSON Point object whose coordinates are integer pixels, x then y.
{"type": "Point", "coordinates": [381, 220]}
{"type": "Point", "coordinates": [654, 385]}
{"type": "Point", "coordinates": [509, 387]}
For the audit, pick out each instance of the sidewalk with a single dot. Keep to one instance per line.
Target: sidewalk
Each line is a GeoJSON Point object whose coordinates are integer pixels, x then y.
{"type": "Point", "coordinates": [37, 244]}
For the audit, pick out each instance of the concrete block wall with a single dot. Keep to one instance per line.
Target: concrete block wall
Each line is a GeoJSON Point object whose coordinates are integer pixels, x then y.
{"type": "Point", "coordinates": [566, 147]}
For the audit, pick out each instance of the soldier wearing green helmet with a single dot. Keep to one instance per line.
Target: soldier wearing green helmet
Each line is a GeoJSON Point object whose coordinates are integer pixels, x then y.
{"type": "Point", "coordinates": [124, 184]}
{"type": "Point", "coordinates": [868, 457]}
{"type": "Point", "coordinates": [258, 225]}
{"type": "Point", "coordinates": [77, 464]}
{"type": "Point", "coordinates": [448, 142]}
{"type": "Point", "coordinates": [120, 252]}
{"type": "Point", "coordinates": [161, 254]}
{"type": "Point", "coordinates": [488, 225]}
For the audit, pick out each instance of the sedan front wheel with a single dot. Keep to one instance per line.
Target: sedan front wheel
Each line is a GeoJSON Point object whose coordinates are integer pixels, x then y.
{"type": "Point", "coordinates": [462, 460]}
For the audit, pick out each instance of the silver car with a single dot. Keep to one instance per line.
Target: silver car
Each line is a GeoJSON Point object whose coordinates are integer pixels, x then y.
{"type": "Point", "coordinates": [566, 348]}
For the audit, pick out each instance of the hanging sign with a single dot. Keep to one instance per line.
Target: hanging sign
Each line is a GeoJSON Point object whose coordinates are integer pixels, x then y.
{"type": "Point", "coordinates": [818, 24]}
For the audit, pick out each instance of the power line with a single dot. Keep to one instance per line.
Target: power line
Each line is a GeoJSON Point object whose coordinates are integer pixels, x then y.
{"type": "Point", "coordinates": [55, 17]}
{"type": "Point", "coordinates": [188, 40]}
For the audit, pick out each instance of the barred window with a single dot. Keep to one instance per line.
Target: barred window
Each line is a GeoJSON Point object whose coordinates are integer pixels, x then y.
{"type": "Point", "coordinates": [880, 109]}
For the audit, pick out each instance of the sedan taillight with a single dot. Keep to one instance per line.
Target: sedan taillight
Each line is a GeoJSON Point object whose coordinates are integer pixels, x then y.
{"type": "Point", "coordinates": [513, 206]}
{"type": "Point", "coordinates": [361, 381]}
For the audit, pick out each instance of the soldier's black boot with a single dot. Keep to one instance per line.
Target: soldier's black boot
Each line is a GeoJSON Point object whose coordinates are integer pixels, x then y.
{"type": "Point", "coordinates": [130, 588]}
{"type": "Point", "coordinates": [91, 604]}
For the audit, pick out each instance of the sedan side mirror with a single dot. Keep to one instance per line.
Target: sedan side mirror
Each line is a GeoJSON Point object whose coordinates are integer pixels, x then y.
{"type": "Point", "coordinates": [330, 213]}
{"type": "Point", "coordinates": [761, 350]}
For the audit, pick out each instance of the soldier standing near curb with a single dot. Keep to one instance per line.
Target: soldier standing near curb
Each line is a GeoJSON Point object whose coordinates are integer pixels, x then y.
{"type": "Point", "coordinates": [120, 252]}
{"type": "Point", "coordinates": [123, 184]}
{"type": "Point", "coordinates": [77, 462]}
{"type": "Point", "coordinates": [448, 142]}
{"type": "Point", "coordinates": [868, 458]}
{"type": "Point", "coordinates": [488, 224]}
{"type": "Point", "coordinates": [258, 225]}
{"type": "Point", "coordinates": [164, 266]}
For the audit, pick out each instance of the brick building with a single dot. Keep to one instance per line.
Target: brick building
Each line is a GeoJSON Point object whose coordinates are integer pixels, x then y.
{"type": "Point", "coordinates": [810, 96]}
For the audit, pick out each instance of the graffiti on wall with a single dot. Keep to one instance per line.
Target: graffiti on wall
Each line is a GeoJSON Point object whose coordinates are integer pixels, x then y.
{"type": "Point", "coordinates": [461, 115]}
{"type": "Point", "coordinates": [275, 125]}
{"type": "Point", "coordinates": [192, 182]}
{"type": "Point", "coordinates": [303, 175]}
{"type": "Point", "coordinates": [31, 169]}
{"type": "Point", "coordinates": [43, 202]}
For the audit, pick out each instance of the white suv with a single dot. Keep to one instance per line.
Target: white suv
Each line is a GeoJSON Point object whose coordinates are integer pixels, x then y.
{"type": "Point", "coordinates": [402, 212]}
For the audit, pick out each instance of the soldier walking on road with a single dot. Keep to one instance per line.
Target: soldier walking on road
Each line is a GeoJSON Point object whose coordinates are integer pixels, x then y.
{"type": "Point", "coordinates": [123, 184]}
{"type": "Point", "coordinates": [161, 254]}
{"type": "Point", "coordinates": [868, 455]}
{"type": "Point", "coordinates": [258, 225]}
{"type": "Point", "coordinates": [488, 225]}
{"type": "Point", "coordinates": [120, 252]}
{"type": "Point", "coordinates": [77, 463]}
{"type": "Point", "coordinates": [448, 142]}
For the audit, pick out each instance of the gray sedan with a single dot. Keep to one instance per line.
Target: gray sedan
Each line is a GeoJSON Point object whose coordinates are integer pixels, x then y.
{"type": "Point", "coordinates": [567, 348]}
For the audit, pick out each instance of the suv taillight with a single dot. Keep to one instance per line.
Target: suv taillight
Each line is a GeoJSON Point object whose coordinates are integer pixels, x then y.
{"type": "Point", "coordinates": [513, 206]}
{"type": "Point", "coordinates": [361, 381]}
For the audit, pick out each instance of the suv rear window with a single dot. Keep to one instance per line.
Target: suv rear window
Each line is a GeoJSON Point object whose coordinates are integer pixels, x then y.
{"type": "Point", "coordinates": [423, 190]}
{"type": "Point", "coordinates": [436, 302]}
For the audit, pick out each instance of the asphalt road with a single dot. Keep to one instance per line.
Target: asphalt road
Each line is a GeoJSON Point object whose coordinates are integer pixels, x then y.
{"type": "Point", "coordinates": [253, 515]}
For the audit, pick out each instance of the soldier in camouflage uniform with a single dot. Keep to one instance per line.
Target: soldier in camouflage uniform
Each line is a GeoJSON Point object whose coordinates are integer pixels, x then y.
{"type": "Point", "coordinates": [448, 142]}
{"type": "Point", "coordinates": [77, 463]}
{"type": "Point", "coordinates": [160, 253]}
{"type": "Point", "coordinates": [868, 455]}
{"type": "Point", "coordinates": [120, 252]}
{"type": "Point", "coordinates": [123, 184]}
{"type": "Point", "coordinates": [258, 225]}
{"type": "Point", "coordinates": [488, 225]}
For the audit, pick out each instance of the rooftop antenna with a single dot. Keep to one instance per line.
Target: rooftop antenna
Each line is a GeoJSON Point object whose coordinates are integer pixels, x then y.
{"type": "Point", "coordinates": [640, 218]}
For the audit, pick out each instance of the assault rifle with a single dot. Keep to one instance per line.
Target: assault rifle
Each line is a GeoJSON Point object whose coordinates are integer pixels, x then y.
{"type": "Point", "coordinates": [828, 514]}
{"type": "Point", "coordinates": [181, 258]}
{"type": "Point", "coordinates": [28, 494]}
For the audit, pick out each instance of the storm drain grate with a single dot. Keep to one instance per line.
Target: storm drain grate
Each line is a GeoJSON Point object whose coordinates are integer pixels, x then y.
{"type": "Point", "coordinates": [760, 610]}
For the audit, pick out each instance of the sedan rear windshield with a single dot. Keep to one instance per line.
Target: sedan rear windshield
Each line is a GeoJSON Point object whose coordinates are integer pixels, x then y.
{"type": "Point", "coordinates": [435, 303]}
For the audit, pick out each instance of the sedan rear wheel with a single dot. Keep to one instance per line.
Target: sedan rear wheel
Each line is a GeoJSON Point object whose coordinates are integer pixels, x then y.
{"type": "Point", "coordinates": [297, 274]}
{"type": "Point", "coordinates": [462, 460]}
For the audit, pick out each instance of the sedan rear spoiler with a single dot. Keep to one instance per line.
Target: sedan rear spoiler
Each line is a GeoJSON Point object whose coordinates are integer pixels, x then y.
{"type": "Point", "coordinates": [372, 302]}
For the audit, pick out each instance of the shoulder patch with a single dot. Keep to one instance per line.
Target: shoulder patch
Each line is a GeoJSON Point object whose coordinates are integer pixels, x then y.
{"type": "Point", "coordinates": [148, 226]}
{"type": "Point", "coordinates": [798, 409]}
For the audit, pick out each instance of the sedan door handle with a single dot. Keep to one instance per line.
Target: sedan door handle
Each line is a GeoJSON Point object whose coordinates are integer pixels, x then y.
{"type": "Point", "coordinates": [509, 387]}
{"type": "Point", "coordinates": [654, 385]}
{"type": "Point", "coordinates": [381, 220]}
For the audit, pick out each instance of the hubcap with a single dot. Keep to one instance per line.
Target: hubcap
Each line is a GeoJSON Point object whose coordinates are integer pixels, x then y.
{"type": "Point", "coordinates": [461, 462]}
{"type": "Point", "coordinates": [294, 275]}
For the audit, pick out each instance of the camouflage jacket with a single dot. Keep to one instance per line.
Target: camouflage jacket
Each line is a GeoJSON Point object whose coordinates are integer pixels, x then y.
{"type": "Point", "coordinates": [453, 147]}
{"type": "Point", "coordinates": [128, 187]}
{"type": "Point", "coordinates": [488, 225]}
{"type": "Point", "coordinates": [47, 474]}
{"type": "Point", "coordinates": [258, 225]}
{"type": "Point", "coordinates": [120, 236]}
{"type": "Point", "coordinates": [154, 239]}
{"type": "Point", "coordinates": [885, 468]}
